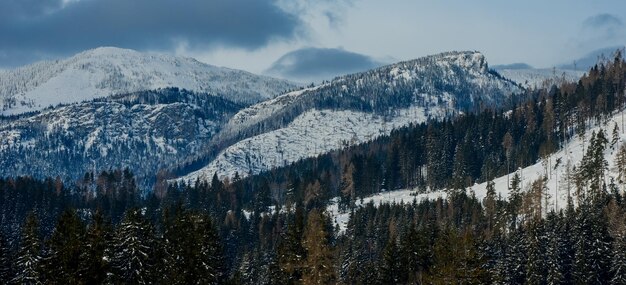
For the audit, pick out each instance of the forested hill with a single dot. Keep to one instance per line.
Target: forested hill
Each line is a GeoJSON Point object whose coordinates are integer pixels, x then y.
{"type": "Point", "coordinates": [352, 109]}
{"type": "Point", "coordinates": [273, 228]}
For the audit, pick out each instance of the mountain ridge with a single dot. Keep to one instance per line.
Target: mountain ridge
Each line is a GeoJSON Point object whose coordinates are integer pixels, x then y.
{"type": "Point", "coordinates": [414, 91]}
{"type": "Point", "coordinates": [107, 71]}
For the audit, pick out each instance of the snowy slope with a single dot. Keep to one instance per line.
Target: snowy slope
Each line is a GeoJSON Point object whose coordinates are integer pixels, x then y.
{"type": "Point", "coordinates": [570, 155]}
{"type": "Point", "coordinates": [353, 109]}
{"type": "Point", "coordinates": [312, 133]}
{"type": "Point", "coordinates": [105, 71]}
{"type": "Point", "coordinates": [144, 131]}
{"type": "Point", "coordinates": [537, 78]}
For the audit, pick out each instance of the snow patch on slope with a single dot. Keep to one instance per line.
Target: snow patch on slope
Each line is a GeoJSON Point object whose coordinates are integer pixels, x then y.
{"type": "Point", "coordinates": [310, 134]}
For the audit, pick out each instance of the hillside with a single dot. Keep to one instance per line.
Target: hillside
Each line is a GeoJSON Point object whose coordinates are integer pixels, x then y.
{"type": "Point", "coordinates": [354, 109]}
{"type": "Point", "coordinates": [143, 131]}
{"type": "Point", "coordinates": [107, 71]}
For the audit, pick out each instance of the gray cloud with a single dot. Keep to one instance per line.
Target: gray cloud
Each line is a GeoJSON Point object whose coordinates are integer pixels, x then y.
{"type": "Point", "coordinates": [316, 64]}
{"type": "Point", "coordinates": [48, 27]}
{"type": "Point", "coordinates": [604, 27]}
{"type": "Point", "coordinates": [602, 21]}
{"type": "Point", "coordinates": [597, 31]}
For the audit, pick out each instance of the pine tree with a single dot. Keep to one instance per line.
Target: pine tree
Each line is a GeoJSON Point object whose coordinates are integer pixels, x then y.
{"type": "Point", "coordinates": [592, 257]}
{"type": "Point", "coordinates": [620, 161]}
{"type": "Point", "coordinates": [490, 207]}
{"type": "Point", "coordinates": [416, 254]}
{"type": "Point", "coordinates": [515, 199]}
{"type": "Point", "coordinates": [618, 264]}
{"type": "Point", "coordinates": [319, 267]}
{"type": "Point", "coordinates": [133, 250]}
{"type": "Point", "coordinates": [5, 265]}
{"type": "Point", "coordinates": [65, 247]}
{"type": "Point", "coordinates": [208, 266]}
{"type": "Point", "coordinates": [555, 253]}
{"type": "Point", "coordinates": [94, 264]}
{"type": "Point", "coordinates": [516, 259]}
{"type": "Point", "coordinates": [535, 267]}
{"type": "Point", "coordinates": [291, 253]}
{"type": "Point", "coordinates": [391, 268]}
{"type": "Point", "coordinates": [28, 263]}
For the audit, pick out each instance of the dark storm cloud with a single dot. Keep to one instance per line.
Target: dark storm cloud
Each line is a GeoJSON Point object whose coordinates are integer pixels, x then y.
{"type": "Point", "coordinates": [39, 27]}
{"type": "Point", "coordinates": [314, 64]}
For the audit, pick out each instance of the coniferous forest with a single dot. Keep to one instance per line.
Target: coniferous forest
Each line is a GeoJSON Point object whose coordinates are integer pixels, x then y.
{"type": "Point", "coordinates": [273, 228]}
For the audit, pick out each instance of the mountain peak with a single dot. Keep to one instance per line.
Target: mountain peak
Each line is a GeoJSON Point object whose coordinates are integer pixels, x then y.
{"type": "Point", "coordinates": [470, 60]}
{"type": "Point", "coordinates": [108, 71]}
{"type": "Point", "coordinates": [107, 50]}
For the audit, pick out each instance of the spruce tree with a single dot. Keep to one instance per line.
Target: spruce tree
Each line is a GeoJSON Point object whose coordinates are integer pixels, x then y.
{"type": "Point", "coordinates": [65, 247]}
{"type": "Point", "coordinates": [208, 266]}
{"type": "Point", "coordinates": [28, 267]}
{"type": "Point", "coordinates": [291, 253]}
{"type": "Point", "coordinates": [5, 265]}
{"type": "Point", "coordinates": [94, 264]}
{"type": "Point", "coordinates": [593, 246]}
{"type": "Point", "coordinates": [536, 267]}
{"type": "Point", "coordinates": [133, 251]}
{"type": "Point", "coordinates": [391, 267]}
{"type": "Point", "coordinates": [618, 264]}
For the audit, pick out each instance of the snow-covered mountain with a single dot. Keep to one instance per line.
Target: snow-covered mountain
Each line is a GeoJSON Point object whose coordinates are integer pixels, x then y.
{"type": "Point", "coordinates": [354, 109]}
{"type": "Point", "coordinates": [540, 77]}
{"type": "Point", "coordinates": [106, 71]}
{"type": "Point", "coordinates": [144, 131]}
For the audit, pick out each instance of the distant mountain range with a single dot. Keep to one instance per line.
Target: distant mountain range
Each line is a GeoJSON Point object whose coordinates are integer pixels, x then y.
{"type": "Point", "coordinates": [205, 121]}
{"type": "Point", "coordinates": [107, 71]}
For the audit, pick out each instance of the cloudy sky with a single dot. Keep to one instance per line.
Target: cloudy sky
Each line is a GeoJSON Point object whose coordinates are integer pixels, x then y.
{"type": "Point", "coordinates": [304, 39]}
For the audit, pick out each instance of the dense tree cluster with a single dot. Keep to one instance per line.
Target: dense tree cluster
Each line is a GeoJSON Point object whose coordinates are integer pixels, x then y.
{"type": "Point", "coordinates": [273, 228]}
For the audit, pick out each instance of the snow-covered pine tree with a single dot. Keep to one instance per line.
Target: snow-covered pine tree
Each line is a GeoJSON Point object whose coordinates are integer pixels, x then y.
{"type": "Point", "coordinates": [209, 265]}
{"type": "Point", "coordinates": [618, 264]}
{"type": "Point", "coordinates": [65, 247]}
{"type": "Point", "coordinates": [593, 248]}
{"type": "Point", "coordinates": [94, 264]}
{"type": "Point", "coordinates": [133, 250]}
{"type": "Point", "coordinates": [555, 254]}
{"type": "Point", "coordinates": [28, 262]}
{"type": "Point", "coordinates": [5, 266]}
{"type": "Point", "coordinates": [535, 267]}
{"type": "Point", "coordinates": [516, 258]}
{"type": "Point", "coordinates": [391, 264]}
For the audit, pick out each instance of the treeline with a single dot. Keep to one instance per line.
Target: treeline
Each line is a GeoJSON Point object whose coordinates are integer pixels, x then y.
{"type": "Point", "coordinates": [454, 153]}
{"type": "Point", "coordinates": [185, 250]}
{"type": "Point", "coordinates": [443, 241]}
{"type": "Point", "coordinates": [272, 228]}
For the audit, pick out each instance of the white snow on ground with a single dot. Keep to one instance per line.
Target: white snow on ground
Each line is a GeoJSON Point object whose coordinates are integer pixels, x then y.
{"type": "Point", "coordinates": [106, 71]}
{"type": "Point", "coordinates": [310, 134]}
{"type": "Point", "coordinates": [399, 196]}
{"type": "Point", "coordinates": [555, 173]}
{"type": "Point", "coordinates": [256, 113]}
{"type": "Point", "coordinates": [537, 78]}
